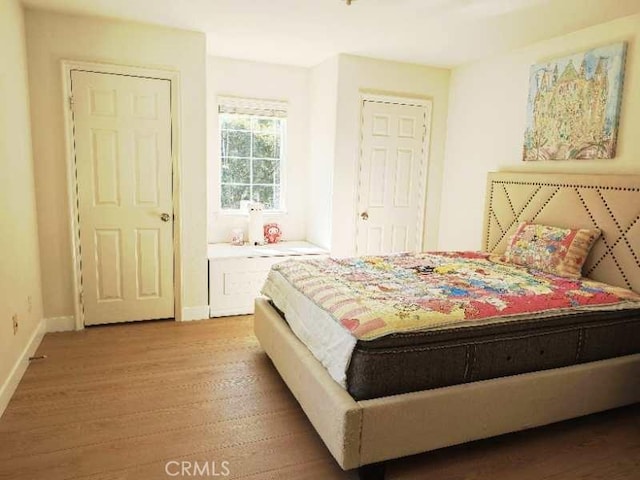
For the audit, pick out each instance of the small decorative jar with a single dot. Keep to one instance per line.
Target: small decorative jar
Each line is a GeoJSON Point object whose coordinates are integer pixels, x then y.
{"type": "Point", "coordinates": [237, 236]}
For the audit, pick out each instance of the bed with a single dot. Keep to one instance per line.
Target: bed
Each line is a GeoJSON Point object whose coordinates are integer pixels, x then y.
{"type": "Point", "coordinates": [365, 429]}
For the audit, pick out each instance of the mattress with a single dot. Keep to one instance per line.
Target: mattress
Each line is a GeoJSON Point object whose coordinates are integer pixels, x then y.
{"type": "Point", "coordinates": [401, 363]}
{"type": "Point", "coordinates": [439, 350]}
{"type": "Point", "coordinates": [330, 343]}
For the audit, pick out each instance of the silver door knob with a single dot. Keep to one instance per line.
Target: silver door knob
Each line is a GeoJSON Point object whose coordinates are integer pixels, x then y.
{"type": "Point", "coordinates": [165, 217]}
{"type": "Point", "coordinates": [364, 216]}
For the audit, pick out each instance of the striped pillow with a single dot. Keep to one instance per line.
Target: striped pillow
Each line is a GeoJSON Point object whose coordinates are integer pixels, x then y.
{"type": "Point", "coordinates": [561, 251]}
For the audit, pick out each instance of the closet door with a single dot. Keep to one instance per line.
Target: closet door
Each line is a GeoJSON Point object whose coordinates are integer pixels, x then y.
{"type": "Point", "coordinates": [392, 177]}
{"type": "Point", "coordinates": [122, 136]}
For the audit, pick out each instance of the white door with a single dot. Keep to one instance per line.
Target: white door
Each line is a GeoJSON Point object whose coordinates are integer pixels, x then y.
{"type": "Point", "coordinates": [122, 135]}
{"type": "Point", "coordinates": [391, 186]}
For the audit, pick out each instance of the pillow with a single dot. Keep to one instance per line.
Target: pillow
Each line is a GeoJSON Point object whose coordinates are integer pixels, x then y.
{"type": "Point", "coordinates": [561, 251]}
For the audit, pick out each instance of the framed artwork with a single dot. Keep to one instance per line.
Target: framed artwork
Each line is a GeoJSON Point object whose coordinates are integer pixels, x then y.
{"type": "Point", "coordinates": [574, 106]}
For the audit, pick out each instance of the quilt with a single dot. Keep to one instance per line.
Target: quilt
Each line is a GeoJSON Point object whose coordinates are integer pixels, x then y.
{"type": "Point", "coordinates": [378, 295]}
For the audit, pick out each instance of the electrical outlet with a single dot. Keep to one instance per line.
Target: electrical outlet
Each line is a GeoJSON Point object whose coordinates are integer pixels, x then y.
{"type": "Point", "coordinates": [15, 324]}
{"type": "Point", "coordinates": [29, 304]}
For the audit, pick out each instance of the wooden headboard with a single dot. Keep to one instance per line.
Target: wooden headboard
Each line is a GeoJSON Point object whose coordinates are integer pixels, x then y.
{"type": "Point", "coordinates": [608, 202]}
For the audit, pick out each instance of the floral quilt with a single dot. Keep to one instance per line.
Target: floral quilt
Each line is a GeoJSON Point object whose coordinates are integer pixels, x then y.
{"type": "Point", "coordinates": [376, 296]}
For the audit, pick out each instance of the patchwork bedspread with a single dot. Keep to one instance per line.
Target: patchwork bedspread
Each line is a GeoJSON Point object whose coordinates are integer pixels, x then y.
{"type": "Point", "coordinates": [375, 296]}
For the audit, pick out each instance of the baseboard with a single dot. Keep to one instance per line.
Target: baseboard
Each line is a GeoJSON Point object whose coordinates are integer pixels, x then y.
{"type": "Point", "coordinates": [10, 384]}
{"type": "Point", "coordinates": [195, 313]}
{"type": "Point", "coordinates": [244, 310]}
{"type": "Point", "coordinates": [60, 324]}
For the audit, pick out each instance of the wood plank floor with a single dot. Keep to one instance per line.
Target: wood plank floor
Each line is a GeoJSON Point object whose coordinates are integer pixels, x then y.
{"type": "Point", "coordinates": [119, 402]}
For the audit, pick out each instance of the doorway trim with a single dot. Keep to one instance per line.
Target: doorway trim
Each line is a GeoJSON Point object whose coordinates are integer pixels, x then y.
{"type": "Point", "coordinates": [72, 192]}
{"type": "Point", "coordinates": [399, 99]}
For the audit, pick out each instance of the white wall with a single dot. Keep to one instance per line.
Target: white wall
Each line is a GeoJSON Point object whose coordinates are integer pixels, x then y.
{"type": "Point", "coordinates": [19, 260]}
{"type": "Point", "coordinates": [324, 106]}
{"type": "Point", "coordinates": [357, 74]}
{"type": "Point", "coordinates": [227, 77]}
{"type": "Point", "coordinates": [486, 125]}
{"type": "Point", "coordinates": [53, 37]}
{"type": "Point", "coordinates": [324, 138]}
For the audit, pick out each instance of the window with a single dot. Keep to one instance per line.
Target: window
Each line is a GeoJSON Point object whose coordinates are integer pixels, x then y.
{"type": "Point", "coordinates": [252, 135]}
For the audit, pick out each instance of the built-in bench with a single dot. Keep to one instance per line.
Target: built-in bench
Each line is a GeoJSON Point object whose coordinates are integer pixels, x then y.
{"type": "Point", "coordinates": [237, 273]}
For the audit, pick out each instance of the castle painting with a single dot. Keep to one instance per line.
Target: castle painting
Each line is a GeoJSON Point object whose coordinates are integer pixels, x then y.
{"type": "Point", "coordinates": [574, 106]}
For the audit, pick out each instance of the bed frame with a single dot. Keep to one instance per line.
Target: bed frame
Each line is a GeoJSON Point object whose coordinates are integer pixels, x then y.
{"type": "Point", "coordinates": [362, 434]}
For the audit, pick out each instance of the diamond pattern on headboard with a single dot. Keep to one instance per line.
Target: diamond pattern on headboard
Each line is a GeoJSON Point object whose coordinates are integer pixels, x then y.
{"type": "Point", "coordinates": [608, 202]}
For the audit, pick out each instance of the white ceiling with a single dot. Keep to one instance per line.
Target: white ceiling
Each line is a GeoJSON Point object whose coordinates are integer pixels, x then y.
{"type": "Point", "coordinates": [305, 32]}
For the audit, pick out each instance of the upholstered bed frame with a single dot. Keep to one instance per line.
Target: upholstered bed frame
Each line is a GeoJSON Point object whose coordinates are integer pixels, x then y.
{"type": "Point", "coordinates": [359, 433]}
{"type": "Point", "coordinates": [608, 202]}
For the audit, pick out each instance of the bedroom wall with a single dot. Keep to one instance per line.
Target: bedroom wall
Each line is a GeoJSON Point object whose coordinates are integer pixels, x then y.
{"type": "Point", "coordinates": [324, 106]}
{"type": "Point", "coordinates": [52, 37]}
{"type": "Point", "coordinates": [485, 130]}
{"type": "Point", "coordinates": [357, 74]}
{"type": "Point", "coordinates": [20, 291]}
{"type": "Point", "coordinates": [270, 82]}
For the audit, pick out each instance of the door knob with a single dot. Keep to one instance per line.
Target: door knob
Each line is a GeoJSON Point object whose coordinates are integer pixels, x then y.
{"type": "Point", "coordinates": [165, 217]}
{"type": "Point", "coordinates": [364, 216]}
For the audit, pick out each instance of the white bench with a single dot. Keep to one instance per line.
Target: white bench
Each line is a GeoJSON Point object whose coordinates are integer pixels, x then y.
{"type": "Point", "coordinates": [237, 273]}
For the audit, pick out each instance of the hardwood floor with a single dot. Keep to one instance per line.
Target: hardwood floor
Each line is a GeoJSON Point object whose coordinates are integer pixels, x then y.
{"type": "Point", "coordinates": [119, 402]}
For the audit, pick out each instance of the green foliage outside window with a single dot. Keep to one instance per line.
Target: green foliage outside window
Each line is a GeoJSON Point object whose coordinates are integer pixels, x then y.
{"type": "Point", "coordinates": [251, 159]}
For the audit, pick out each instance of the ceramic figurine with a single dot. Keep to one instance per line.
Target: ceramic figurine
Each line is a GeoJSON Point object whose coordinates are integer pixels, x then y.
{"type": "Point", "coordinates": [256, 235]}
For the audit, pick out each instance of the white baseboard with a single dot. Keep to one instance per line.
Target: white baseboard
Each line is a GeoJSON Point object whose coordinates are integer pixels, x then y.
{"type": "Point", "coordinates": [226, 312]}
{"type": "Point", "coordinates": [60, 324]}
{"type": "Point", "coordinates": [195, 313]}
{"type": "Point", "coordinates": [10, 384]}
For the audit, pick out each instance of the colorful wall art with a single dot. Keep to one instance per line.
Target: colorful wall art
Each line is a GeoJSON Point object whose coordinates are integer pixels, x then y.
{"type": "Point", "coordinates": [574, 106]}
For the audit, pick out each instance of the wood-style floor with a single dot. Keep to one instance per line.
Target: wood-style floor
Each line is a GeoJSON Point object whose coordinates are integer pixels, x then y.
{"type": "Point", "coordinates": [119, 402]}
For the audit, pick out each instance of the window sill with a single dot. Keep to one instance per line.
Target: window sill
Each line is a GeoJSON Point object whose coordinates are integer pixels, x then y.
{"type": "Point", "coordinates": [239, 213]}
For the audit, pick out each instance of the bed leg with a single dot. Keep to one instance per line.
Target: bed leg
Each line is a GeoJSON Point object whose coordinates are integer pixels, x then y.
{"type": "Point", "coordinates": [374, 471]}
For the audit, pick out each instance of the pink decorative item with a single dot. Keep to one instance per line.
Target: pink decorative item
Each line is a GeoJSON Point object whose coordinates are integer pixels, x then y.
{"type": "Point", "coordinates": [237, 236]}
{"type": "Point", "coordinates": [272, 232]}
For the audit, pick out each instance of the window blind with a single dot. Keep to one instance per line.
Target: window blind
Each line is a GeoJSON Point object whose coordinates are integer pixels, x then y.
{"type": "Point", "coordinates": [248, 106]}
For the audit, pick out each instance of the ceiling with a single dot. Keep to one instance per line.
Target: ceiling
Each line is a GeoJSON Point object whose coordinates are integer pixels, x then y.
{"type": "Point", "coordinates": [306, 32]}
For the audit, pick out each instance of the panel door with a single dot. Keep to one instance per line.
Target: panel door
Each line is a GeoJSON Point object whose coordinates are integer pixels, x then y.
{"type": "Point", "coordinates": [392, 177]}
{"type": "Point", "coordinates": [122, 135]}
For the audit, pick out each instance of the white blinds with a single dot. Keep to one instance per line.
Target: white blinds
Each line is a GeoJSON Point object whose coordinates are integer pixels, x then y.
{"type": "Point", "coordinates": [249, 106]}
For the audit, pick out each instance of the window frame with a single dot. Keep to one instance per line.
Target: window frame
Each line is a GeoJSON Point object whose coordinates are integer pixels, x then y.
{"type": "Point", "coordinates": [260, 109]}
